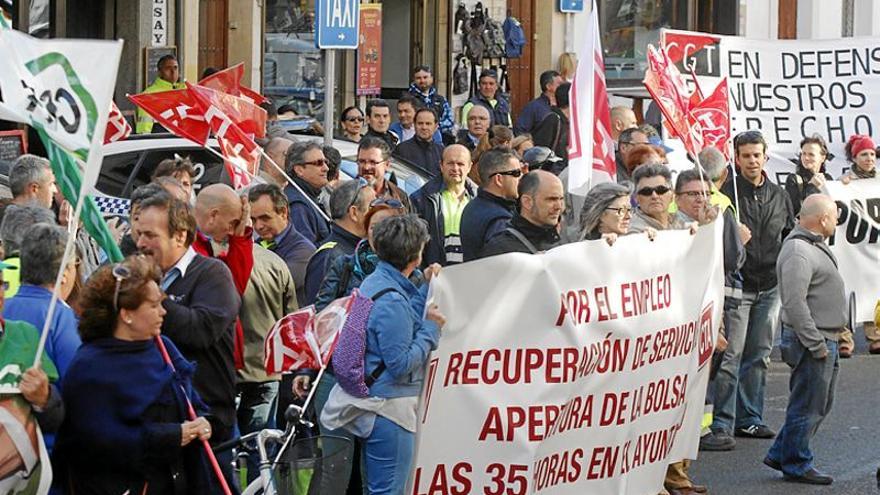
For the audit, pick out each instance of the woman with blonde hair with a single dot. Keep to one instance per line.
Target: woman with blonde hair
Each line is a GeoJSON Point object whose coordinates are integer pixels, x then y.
{"type": "Point", "coordinates": [567, 66]}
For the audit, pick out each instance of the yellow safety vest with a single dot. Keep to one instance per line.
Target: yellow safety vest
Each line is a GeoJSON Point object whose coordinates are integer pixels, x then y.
{"type": "Point", "coordinates": [144, 123]}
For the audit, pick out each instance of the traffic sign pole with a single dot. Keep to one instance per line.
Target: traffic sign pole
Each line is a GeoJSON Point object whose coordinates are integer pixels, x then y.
{"type": "Point", "coordinates": [329, 93]}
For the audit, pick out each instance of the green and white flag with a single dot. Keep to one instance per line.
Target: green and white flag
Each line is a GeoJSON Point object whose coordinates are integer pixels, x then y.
{"type": "Point", "coordinates": [63, 89]}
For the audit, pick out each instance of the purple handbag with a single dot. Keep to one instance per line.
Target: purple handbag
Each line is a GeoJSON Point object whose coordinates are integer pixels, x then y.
{"type": "Point", "coordinates": [348, 357]}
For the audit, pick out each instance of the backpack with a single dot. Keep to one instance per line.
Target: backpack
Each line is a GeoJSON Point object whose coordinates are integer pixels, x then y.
{"type": "Point", "coordinates": [460, 76]}
{"type": "Point", "coordinates": [493, 36]}
{"type": "Point", "coordinates": [348, 358]}
{"type": "Point", "coordinates": [515, 36]}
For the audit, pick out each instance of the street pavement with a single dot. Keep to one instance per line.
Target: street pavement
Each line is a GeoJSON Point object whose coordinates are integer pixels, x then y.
{"type": "Point", "coordinates": [847, 446]}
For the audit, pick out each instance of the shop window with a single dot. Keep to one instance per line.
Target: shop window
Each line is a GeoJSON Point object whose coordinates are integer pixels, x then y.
{"type": "Point", "coordinates": [629, 26]}
{"type": "Point", "coordinates": [293, 68]}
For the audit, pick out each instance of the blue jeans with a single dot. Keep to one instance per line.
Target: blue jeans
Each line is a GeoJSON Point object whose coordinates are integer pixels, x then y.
{"type": "Point", "coordinates": [742, 375]}
{"type": "Point", "coordinates": [812, 394]}
{"type": "Point", "coordinates": [389, 452]}
{"type": "Point", "coordinates": [255, 413]}
{"type": "Point", "coordinates": [328, 380]}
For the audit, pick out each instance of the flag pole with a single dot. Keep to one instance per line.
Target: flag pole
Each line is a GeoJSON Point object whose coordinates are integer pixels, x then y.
{"type": "Point", "coordinates": [292, 183]}
{"type": "Point", "coordinates": [191, 413]}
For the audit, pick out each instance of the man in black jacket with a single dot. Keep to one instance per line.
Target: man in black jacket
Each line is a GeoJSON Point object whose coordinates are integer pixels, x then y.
{"type": "Point", "coordinates": [552, 132]}
{"type": "Point", "coordinates": [533, 228]}
{"type": "Point", "coordinates": [766, 210]}
{"type": "Point", "coordinates": [202, 305]}
{"type": "Point", "coordinates": [422, 150]}
{"type": "Point", "coordinates": [441, 202]}
{"type": "Point", "coordinates": [379, 120]}
{"type": "Point", "coordinates": [490, 212]}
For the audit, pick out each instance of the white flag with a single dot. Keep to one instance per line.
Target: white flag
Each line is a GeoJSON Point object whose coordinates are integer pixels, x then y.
{"type": "Point", "coordinates": [590, 149]}
{"type": "Point", "coordinates": [64, 87]}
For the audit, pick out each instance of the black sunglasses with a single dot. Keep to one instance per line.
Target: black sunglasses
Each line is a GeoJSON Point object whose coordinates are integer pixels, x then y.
{"type": "Point", "coordinates": [513, 173]}
{"type": "Point", "coordinates": [660, 190]}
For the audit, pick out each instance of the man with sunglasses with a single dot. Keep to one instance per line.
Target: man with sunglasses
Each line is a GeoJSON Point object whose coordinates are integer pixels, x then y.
{"type": "Point", "coordinates": [308, 168]}
{"type": "Point", "coordinates": [490, 212]}
{"type": "Point", "coordinates": [533, 229]}
{"type": "Point", "coordinates": [653, 195]}
{"type": "Point", "coordinates": [373, 159]}
{"type": "Point", "coordinates": [766, 210]}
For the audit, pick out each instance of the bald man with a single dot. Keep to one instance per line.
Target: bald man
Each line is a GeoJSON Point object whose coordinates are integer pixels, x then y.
{"type": "Point", "coordinates": [441, 202]}
{"type": "Point", "coordinates": [533, 229]}
{"type": "Point", "coordinates": [813, 316]}
{"type": "Point", "coordinates": [622, 118]}
{"type": "Point", "coordinates": [277, 149]}
{"type": "Point", "coordinates": [477, 126]}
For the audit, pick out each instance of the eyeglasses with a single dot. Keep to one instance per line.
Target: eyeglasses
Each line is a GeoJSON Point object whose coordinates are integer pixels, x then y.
{"type": "Point", "coordinates": [120, 273]}
{"type": "Point", "coordinates": [321, 162]}
{"type": "Point", "coordinates": [660, 190]}
{"type": "Point", "coordinates": [354, 119]}
{"type": "Point", "coordinates": [362, 183]}
{"type": "Point", "coordinates": [513, 173]}
{"type": "Point", "coordinates": [622, 211]}
{"type": "Point", "coordinates": [389, 202]}
{"type": "Point", "coordinates": [371, 163]}
{"type": "Point", "coordinates": [693, 194]}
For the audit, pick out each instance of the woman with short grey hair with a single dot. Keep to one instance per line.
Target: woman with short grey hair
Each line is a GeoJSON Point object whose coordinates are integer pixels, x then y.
{"type": "Point", "coordinates": [399, 342]}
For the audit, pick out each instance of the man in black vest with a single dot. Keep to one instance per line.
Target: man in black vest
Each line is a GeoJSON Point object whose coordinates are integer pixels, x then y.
{"type": "Point", "coordinates": [490, 97]}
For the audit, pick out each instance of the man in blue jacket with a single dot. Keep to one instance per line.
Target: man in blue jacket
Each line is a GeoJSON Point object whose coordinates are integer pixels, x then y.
{"type": "Point", "coordinates": [308, 168]}
{"type": "Point", "coordinates": [423, 88]}
{"type": "Point", "coordinates": [534, 112]}
{"type": "Point", "coordinates": [490, 212]}
{"type": "Point", "coordinates": [423, 150]}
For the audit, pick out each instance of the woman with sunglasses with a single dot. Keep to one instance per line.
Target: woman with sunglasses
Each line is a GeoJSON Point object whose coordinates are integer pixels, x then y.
{"type": "Point", "coordinates": [653, 196]}
{"type": "Point", "coordinates": [351, 120]}
{"type": "Point", "coordinates": [126, 427]}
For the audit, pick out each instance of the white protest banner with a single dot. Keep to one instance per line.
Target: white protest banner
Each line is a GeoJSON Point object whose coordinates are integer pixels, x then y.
{"type": "Point", "coordinates": [581, 370]}
{"type": "Point", "coordinates": [855, 242]}
{"type": "Point", "coordinates": [789, 89]}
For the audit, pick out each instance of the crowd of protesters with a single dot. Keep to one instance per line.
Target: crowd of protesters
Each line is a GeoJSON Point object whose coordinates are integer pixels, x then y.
{"type": "Point", "coordinates": [211, 273]}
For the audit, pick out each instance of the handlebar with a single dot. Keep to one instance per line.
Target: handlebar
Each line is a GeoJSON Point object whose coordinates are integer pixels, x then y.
{"type": "Point", "coordinates": [293, 416]}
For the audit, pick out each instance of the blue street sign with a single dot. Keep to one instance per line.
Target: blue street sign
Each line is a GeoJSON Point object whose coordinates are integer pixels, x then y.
{"type": "Point", "coordinates": [571, 6]}
{"type": "Point", "coordinates": [336, 23]}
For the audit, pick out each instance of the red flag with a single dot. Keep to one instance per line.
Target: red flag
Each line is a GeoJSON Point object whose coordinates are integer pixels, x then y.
{"type": "Point", "coordinates": [249, 117]}
{"type": "Point", "coordinates": [590, 147]}
{"type": "Point", "coordinates": [117, 127]}
{"type": "Point", "coordinates": [229, 81]}
{"type": "Point", "coordinates": [304, 340]}
{"type": "Point", "coordinates": [712, 118]}
{"type": "Point", "coordinates": [242, 158]}
{"type": "Point", "coordinates": [178, 111]}
{"type": "Point", "coordinates": [681, 45]}
{"type": "Point", "coordinates": [669, 91]}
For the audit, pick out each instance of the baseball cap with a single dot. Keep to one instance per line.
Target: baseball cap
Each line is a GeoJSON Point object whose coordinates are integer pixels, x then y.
{"type": "Point", "coordinates": [537, 155]}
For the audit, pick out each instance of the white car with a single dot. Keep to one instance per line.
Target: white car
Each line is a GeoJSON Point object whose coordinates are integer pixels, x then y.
{"type": "Point", "coordinates": [130, 163]}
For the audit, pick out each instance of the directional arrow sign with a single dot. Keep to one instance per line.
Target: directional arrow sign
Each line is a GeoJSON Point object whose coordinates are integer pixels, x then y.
{"type": "Point", "coordinates": [336, 24]}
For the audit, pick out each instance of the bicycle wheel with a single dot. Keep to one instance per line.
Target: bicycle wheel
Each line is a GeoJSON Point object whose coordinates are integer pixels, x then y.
{"type": "Point", "coordinates": [314, 466]}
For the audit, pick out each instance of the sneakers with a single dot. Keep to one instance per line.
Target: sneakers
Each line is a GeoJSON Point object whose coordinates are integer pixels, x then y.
{"type": "Point", "coordinates": [717, 441]}
{"type": "Point", "coordinates": [811, 477]}
{"type": "Point", "coordinates": [755, 431]}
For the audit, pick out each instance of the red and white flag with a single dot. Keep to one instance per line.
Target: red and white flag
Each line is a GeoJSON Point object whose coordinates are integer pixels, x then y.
{"type": "Point", "coordinates": [711, 118]}
{"type": "Point", "coordinates": [668, 89]}
{"type": "Point", "coordinates": [178, 111]}
{"type": "Point", "coordinates": [590, 146]}
{"type": "Point", "coordinates": [117, 127]}
{"type": "Point", "coordinates": [249, 117]}
{"type": "Point", "coordinates": [229, 81]}
{"type": "Point", "coordinates": [303, 339]}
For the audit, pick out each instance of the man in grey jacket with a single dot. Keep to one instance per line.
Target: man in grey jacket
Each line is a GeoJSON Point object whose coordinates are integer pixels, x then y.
{"type": "Point", "coordinates": [813, 317]}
